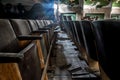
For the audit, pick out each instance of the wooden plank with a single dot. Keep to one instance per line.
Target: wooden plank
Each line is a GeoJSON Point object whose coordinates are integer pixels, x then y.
{"type": "Point", "coordinates": [9, 71]}
{"type": "Point", "coordinates": [47, 61]}
{"type": "Point", "coordinates": [41, 57]}
{"type": "Point", "coordinates": [30, 65]}
{"type": "Point", "coordinates": [40, 53]}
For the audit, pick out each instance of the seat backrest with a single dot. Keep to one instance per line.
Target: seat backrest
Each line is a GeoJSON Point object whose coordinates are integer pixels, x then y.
{"type": "Point", "coordinates": [8, 40]}
{"type": "Point", "coordinates": [43, 42]}
{"type": "Point", "coordinates": [8, 46]}
{"type": "Point", "coordinates": [71, 25]}
{"type": "Point", "coordinates": [67, 27]}
{"type": "Point", "coordinates": [33, 25]}
{"type": "Point", "coordinates": [40, 23]}
{"type": "Point", "coordinates": [107, 34]}
{"type": "Point", "coordinates": [89, 39]}
{"type": "Point", "coordinates": [79, 33]}
{"type": "Point", "coordinates": [74, 29]}
{"type": "Point", "coordinates": [21, 26]}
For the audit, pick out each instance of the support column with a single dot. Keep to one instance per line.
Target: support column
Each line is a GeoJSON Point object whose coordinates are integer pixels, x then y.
{"type": "Point", "coordinates": [79, 13]}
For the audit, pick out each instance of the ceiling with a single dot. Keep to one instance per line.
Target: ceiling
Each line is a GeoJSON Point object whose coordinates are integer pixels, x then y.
{"type": "Point", "coordinates": [25, 2]}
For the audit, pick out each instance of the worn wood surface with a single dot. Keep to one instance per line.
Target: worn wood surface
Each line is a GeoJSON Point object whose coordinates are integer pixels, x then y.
{"type": "Point", "coordinates": [41, 57]}
{"type": "Point", "coordinates": [30, 64]}
{"type": "Point", "coordinates": [9, 71]}
{"type": "Point", "coordinates": [40, 53]}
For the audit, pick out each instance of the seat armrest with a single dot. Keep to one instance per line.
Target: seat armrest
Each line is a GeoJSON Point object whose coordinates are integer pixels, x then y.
{"type": "Point", "coordinates": [10, 57]}
{"type": "Point", "coordinates": [47, 28]}
{"type": "Point", "coordinates": [29, 37]}
{"type": "Point", "coordinates": [40, 31]}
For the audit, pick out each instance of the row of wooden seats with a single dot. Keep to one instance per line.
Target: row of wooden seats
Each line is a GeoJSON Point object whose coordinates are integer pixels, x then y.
{"type": "Point", "coordinates": [107, 42]}
{"type": "Point", "coordinates": [100, 39]}
{"type": "Point", "coordinates": [82, 34]}
{"type": "Point", "coordinates": [23, 51]}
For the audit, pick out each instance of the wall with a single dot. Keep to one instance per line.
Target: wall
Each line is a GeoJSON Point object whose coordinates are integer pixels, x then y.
{"type": "Point", "coordinates": [106, 11]}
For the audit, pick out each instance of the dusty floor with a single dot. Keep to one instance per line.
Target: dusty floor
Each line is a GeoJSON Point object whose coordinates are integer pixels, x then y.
{"type": "Point", "coordinates": [67, 64]}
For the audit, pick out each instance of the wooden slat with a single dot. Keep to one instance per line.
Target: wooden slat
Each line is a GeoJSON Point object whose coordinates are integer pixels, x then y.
{"type": "Point", "coordinates": [47, 61]}
{"type": "Point", "coordinates": [40, 53]}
